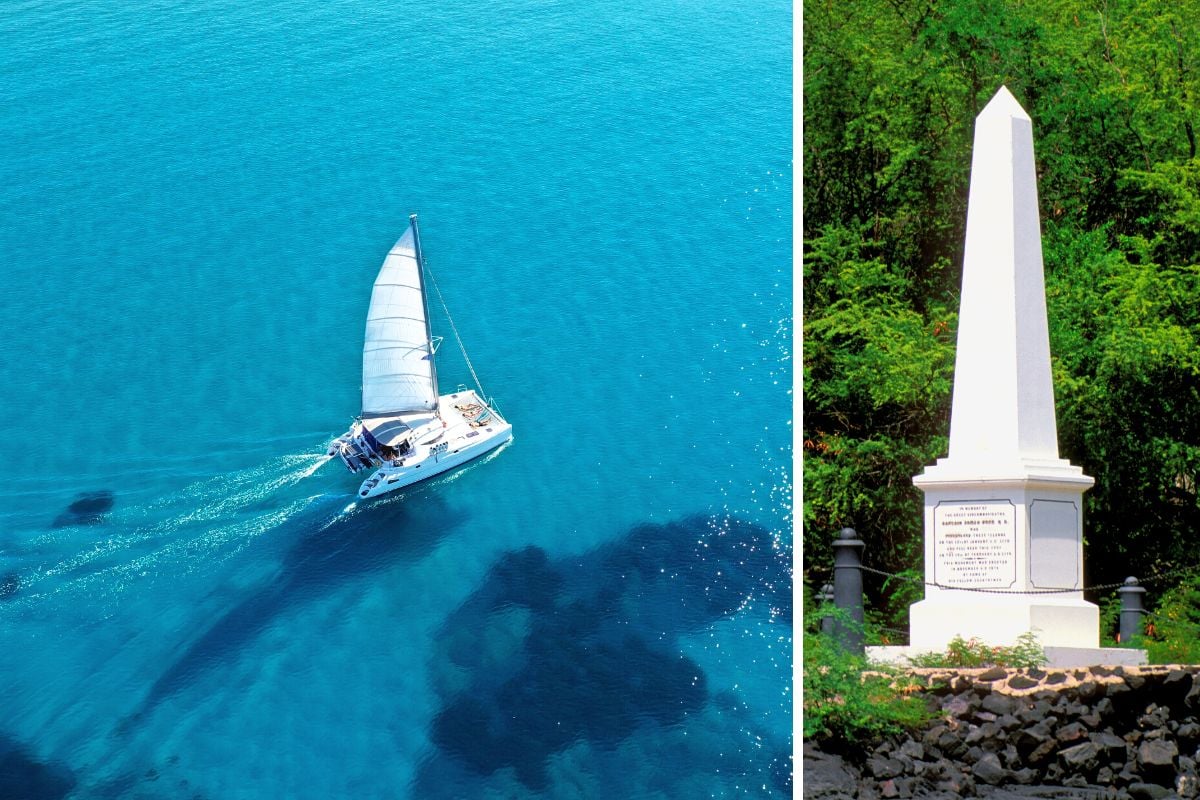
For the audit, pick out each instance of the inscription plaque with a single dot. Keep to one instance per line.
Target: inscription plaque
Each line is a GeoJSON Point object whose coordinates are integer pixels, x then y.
{"type": "Point", "coordinates": [975, 543]}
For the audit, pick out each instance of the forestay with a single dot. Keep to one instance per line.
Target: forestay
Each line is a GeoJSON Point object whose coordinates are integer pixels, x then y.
{"type": "Point", "coordinates": [398, 367]}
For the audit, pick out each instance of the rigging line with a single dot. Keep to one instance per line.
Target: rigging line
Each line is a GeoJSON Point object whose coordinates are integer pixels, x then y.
{"type": "Point", "coordinates": [454, 328]}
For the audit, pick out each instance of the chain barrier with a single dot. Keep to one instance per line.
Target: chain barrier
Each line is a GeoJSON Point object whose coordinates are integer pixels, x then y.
{"type": "Point", "coordinates": [1101, 588]}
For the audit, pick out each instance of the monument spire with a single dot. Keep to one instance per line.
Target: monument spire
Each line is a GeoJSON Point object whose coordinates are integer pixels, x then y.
{"type": "Point", "coordinates": [1003, 407]}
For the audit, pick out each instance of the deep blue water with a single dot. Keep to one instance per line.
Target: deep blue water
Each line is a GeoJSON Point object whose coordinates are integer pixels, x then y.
{"type": "Point", "coordinates": [195, 199]}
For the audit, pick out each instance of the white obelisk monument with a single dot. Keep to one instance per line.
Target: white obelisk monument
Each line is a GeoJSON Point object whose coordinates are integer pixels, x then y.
{"type": "Point", "coordinates": [1003, 512]}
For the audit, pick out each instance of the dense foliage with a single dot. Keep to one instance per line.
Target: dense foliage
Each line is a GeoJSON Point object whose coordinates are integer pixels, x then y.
{"type": "Point", "coordinates": [891, 89]}
{"type": "Point", "coordinates": [849, 702]}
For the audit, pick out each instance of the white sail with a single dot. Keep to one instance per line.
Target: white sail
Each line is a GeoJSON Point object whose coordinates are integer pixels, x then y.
{"type": "Point", "coordinates": [398, 369]}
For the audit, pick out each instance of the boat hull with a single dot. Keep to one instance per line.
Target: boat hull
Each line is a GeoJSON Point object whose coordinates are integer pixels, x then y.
{"type": "Point", "coordinates": [389, 478]}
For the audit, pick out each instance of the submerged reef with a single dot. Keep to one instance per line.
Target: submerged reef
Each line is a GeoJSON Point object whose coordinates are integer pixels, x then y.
{"type": "Point", "coordinates": [331, 547]}
{"type": "Point", "coordinates": [22, 776]}
{"type": "Point", "coordinates": [88, 508]}
{"type": "Point", "coordinates": [546, 653]}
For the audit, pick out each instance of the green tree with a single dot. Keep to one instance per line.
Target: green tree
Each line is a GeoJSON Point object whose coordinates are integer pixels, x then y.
{"type": "Point", "coordinates": [891, 90]}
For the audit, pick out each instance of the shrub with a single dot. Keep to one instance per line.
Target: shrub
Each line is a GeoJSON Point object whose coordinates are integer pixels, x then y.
{"type": "Point", "coordinates": [848, 701]}
{"type": "Point", "coordinates": [1027, 652]}
{"type": "Point", "coordinates": [1173, 628]}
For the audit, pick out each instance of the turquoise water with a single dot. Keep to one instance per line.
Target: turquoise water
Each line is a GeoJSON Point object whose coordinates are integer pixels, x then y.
{"type": "Point", "coordinates": [196, 198]}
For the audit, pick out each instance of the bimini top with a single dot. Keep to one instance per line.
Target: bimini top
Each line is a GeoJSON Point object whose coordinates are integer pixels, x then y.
{"type": "Point", "coordinates": [388, 431]}
{"type": "Point", "coordinates": [398, 370]}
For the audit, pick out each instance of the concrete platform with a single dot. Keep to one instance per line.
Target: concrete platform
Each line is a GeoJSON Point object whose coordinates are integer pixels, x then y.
{"type": "Point", "coordinates": [1057, 656]}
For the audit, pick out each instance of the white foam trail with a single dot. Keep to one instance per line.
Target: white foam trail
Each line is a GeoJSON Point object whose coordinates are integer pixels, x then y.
{"type": "Point", "coordinates": [224, 513]}
{"type": "Point", "coordinates": [320, 462]}
{"type": "Point", "coordinates": [186, 554]}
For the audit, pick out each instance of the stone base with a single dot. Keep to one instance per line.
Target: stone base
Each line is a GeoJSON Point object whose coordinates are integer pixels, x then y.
{"type": "Point", "coordinates": [1058, 657]}
{"type": "Point", "coordinates": [1057, 621]}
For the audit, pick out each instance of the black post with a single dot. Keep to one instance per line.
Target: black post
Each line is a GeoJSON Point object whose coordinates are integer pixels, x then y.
{"type": "Point", "coordinates": [825, 597]}
{"type": "Point", "coordinates": [1131, 610]}
{"type": "Point", "coordinates": [848, 590]}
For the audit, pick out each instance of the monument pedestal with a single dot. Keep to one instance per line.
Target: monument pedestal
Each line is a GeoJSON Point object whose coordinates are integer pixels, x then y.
{"type": "Point", "coordinates": [1069, 622]}
{"type": "Point", "coordinates": [1004, 555]}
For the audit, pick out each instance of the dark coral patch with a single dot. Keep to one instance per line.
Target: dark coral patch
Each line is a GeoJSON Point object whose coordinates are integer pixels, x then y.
{"type": "Point", "coordinates": [88, 508]}
{"type": "Point", "coordinates": [573, 688]}
{"type": "Point", "coordinates": [525, 578]}
{"type": "Point", "coordinates": [25, 777]}
{"type": "Point", "coordinates": [599, 658]}
{"type": "Point", "coordinates": [703, 568]}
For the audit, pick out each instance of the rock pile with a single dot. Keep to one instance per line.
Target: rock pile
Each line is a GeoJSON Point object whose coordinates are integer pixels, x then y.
{"type": "Point", "coordinates": [1099, 732]}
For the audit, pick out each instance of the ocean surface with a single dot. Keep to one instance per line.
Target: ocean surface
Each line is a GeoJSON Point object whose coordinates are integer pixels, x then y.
{"type": "Point", "coordinates": [196, 197]}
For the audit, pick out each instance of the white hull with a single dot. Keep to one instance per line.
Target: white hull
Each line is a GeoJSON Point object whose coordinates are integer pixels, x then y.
{"type": "Point", "coordinates": [438, 446]}
{"type": "Point", "coordinates": [389, 479]}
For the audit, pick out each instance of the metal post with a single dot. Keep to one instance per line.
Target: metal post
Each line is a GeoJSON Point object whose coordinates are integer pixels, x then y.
{"type": "Point", "coordinates": [848, 590]}
{"type": "Point", "coordinates": [825, 597]}
{"type": "Point", "coordinates": [1131, 610]}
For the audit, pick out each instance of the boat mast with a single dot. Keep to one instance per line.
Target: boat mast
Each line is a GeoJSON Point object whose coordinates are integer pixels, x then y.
{"type": "Point", "coordinates": [412, 218]}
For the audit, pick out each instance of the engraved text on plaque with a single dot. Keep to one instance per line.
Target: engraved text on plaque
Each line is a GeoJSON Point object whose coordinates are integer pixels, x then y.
{"type": "Point", "coordinates": [975, 543]}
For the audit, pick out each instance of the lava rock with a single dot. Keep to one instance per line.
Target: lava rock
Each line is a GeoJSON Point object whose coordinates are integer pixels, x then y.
{"type": "Point", "coordinates": [956, 782]}
{"type": "Point", "coordinates": [999, 704]}
{"type": "Point", "coordinates": [989, 770]}
{"type": "Point", "coordinates": [1112, 747]}
{"type": "Point", "coordinates": [1176, 685]}
{"type": "Point", "coordinates": [1157, 753]}
{"type": "Point", "coordinates": [1071, 733]}
{"type": "Point", "coordinates": [1188, 734]}
{"type": "Point", "coordinates": [1008, 723]}
{"type": "Point", "coordinates": [883, 767]}
{"type": "Point", "coordinates": [1192, 698]}
{"type": "Point", "coordinates": [1035, 712]}
{"type": "Point", "coordinates": [993, 674]}
{"type": "Point", "coordinates": [1042, 752]}
{"type": "Point", "coordinates": [930, 737]}
{"type": "Point", "coordinates": [1029, 738]}
{"type": "Point", "coordinates": [1081, 757]}
{"type": "Point", "coordinates": [826, 776]}
{"type": "Point", "coordinates": [961, 705]}
{"type": "Point", "coordinates": [952, 745]}
{"type": "Point", "coordinates": [1155, 717]}
{"type": "Point", "coordinates": [1025, 776]}
{"type": "Point", "coordinates": [1148, 791]}
{"type": "Point", "coordinates": [984, 734]}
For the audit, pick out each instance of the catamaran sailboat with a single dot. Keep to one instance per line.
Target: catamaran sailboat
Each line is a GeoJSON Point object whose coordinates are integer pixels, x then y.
{"type": "Point", "coordinates": [407, 432]}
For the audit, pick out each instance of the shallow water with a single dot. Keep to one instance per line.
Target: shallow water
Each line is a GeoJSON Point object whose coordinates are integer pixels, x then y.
{"type": "Point", "coordinates": [197, 198]}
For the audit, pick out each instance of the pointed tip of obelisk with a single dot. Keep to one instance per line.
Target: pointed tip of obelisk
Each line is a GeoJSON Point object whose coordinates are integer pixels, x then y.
{"type": "Point", "coordinates": [1004, 104]}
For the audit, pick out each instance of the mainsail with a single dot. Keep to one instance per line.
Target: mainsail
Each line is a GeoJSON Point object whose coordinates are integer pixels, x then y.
{"type": "Point", "coordinates": [398, 370]}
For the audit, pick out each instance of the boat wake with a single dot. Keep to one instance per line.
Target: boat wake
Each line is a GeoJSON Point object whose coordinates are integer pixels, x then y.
{"type": "Point", "coordinates": [205, 522]}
